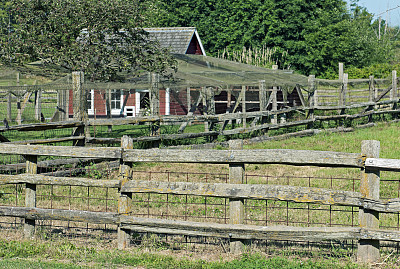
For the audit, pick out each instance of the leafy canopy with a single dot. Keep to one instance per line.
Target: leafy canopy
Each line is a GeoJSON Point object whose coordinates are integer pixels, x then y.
{"type": "Point", "coordinates": [100, 38]}
{"type": "Point", "coordinates": [315, 34]}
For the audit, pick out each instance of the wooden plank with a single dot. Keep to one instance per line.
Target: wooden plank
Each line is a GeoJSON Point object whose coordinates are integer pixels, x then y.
{"type": "Point", "coordinates": [383, 94]}
{"type": "Point", "coordinates": [248, 191]}
{"type": "Point", "coordinates": [60, 181]}
{"type": "Point", "coordinates": [386, 235]}
{"type": "Point", "coordinates": [45, 141]}
{"type": "Point", "coordinates": [34, 213]}
{"type": "Point", "coordinates": [239, 231]}
{"type": "Point", "coordinates": [43, 126]}
{"type": "Point", "coordinates": [382, 164]}
{"type": "Point", "coordinates": [384, 206]}
{"type": "Point", "coordinates": [62, 151]}
{"type": "Point", "coordinates": [283, 156]}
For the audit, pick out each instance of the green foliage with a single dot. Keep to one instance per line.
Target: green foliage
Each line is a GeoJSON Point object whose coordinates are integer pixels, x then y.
{"type": "Point", "coordinates": [101, 38]}
{"type": "Point", "coordinates": [263, 57]}
{"type": "Point", "coordinates": [316, 35]}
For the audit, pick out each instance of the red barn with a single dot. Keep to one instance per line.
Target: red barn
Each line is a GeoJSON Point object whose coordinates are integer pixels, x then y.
{"type": "Point", "coordinates": [133, 102]}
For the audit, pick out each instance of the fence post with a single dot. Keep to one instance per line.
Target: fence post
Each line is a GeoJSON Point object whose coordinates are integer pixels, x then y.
{"type": "Point", "coordinates": [262, 96]}
{"type": "Point", "coordinates": [30, 195]}
{"type": "Point", "coordinates": [61, 103]}
{"type": "Point", "coordinates": [38, 103]}
{"type": "Point", "coordinates": [79, 106]}
{"type": "Point", "coordinates": [9, 106]}
{"type": "Point", "coordinates": [371, 96]}
{"type": "Point", "coordinates": [342, 101]}
{"type": "Point", "coordinates": [311, 89]}
{"type": "Point", "coordinates": [108, 108]}
{"type": "Point", "coordinates": [341, 71]}
{"type": "Point", "coordinates": [368, 250]}
{"type": "Point", "coordinates": [125, 199]}
{"type": "Point", "coordinates": [274, 99]}
{"type": "Point", "coordinates": [244, 106]}
{"type": "Point", "coordinates": [236, 206]}
{"type": "Point", "coordinates": [393, 91]}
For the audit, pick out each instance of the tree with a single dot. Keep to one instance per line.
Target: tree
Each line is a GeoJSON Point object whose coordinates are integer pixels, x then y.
{"type": "Point", "coordinates": [101, 38]}
{"type": "Point", "coordinates": [315, 34]}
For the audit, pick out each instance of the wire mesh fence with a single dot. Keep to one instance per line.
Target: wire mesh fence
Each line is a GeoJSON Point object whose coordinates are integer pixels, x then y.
{"type": "Point", "coordinates": [195, 208]}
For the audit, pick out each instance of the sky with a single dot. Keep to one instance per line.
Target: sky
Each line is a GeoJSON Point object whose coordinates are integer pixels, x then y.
{"type": "Point", "coordinates": [379, 7]}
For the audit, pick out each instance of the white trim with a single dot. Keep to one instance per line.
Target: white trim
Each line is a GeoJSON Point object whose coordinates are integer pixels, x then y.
{"type": "Point", "coordinates": [131, 109]}
{"type": "Point", "coordinates": [201, 45]}
{"type": "Point", "coordinates": [91, 111]}
{"type": "Point", "coordinates": [137, 101]}
{"type": "Point", "coordinates": [167, 100]}
{"type": "Point", "coordinates": [117, 111]}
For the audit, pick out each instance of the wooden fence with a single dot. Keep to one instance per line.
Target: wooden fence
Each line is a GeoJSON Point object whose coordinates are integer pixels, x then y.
{"type": "Point", "coordinates": [367, 199]}
{"type": "Point", "coordinates": [322, 104]}
{"type": "Point", "coordinates": [368, 111]}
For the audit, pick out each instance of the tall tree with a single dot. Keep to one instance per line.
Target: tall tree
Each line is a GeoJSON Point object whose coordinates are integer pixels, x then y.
{"type": "Point", "coordinates": [101, 38]}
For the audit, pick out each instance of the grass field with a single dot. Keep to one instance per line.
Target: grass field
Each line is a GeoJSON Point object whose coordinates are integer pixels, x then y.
{"type": "Point", "coordinates": [63, 254]}
{"type": "Point", "coordinates": [58, 253]}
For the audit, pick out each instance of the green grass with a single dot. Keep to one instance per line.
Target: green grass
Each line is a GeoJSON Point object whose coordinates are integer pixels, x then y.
{"type": "Point", "coordinates": [386, 133]}
{"type": "Point", "coordinates": [61, 254]}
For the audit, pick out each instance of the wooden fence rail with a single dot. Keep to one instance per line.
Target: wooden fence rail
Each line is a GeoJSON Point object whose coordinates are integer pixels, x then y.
{"type": "Point", "coordinates": [368, 233]}
{"type": "Point", "coordinates": [257, 119]}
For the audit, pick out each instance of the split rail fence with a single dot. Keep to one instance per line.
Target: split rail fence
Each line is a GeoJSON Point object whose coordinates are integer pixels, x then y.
{"type": "Point", "coordinates": [319, 103]}
{"type": "Point", "coordinates": [367, 199]}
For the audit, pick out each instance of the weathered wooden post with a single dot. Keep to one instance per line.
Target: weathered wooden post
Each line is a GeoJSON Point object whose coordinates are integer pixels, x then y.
{"type": "Point", "coordinates": [368, 250]}
{"type": "Point", "coordinates": [205, 107]}
{"type": "Point", "coordinates": [371, 87]}
{"type": "Point", "coordinates": [38, 103]}
{"type": "Point", "coordinates": [244, 106]}
{"type": "Point", "coordinates": [108, 107]}
{"type": "Point", "coordinates": [188, 99]}
{"type": "Point", "coordinates": [155, 102]}
{"type": "Point", "coordinates": [211, 107]}
{"type": "Point", "coordinates": [262, 96]}
{"type": "Point", "coordinates": [341, 71]}
{"type": "Point", "coordinates": [9, 106]}
{"type": "Point", "coordinates": [236, 206]}
{"type": "Point", "coordinates": [311, 99]}
{"type": "Point", "coordinates": [30, 195]}
{"type": "Point", "coordinates": [125, 199]}
{"type": "Point", "coordinates": [19, 111]}
{"type": "Point", "coordinates": [393, 91]}
{"type": "Point", "coordinates": [274, 100]}
{"type": "Point", "coordinates": [343, 92]}
{"type": "Point", "coordinates": [79, 106]}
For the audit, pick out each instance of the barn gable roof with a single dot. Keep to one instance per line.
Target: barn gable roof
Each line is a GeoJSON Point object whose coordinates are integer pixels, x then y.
{"type": "Point", "coordinates": [179, 39]}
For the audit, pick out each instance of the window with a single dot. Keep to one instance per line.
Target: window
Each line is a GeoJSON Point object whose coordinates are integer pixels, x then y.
{"type": "Point", "coordinates": [116, 102]}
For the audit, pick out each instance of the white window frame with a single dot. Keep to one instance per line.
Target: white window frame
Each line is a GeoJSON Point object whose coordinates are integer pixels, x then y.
{"type": "Point", "coordinates": [117, 111]}
{"type": "Point", "coordinates": [91, 102]}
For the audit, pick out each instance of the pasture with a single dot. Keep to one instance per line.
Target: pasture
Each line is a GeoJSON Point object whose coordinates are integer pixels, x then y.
{"type": "Point", "coordinates": [215, 209]}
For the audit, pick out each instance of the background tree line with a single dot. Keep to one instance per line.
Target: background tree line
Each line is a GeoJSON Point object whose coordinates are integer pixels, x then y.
{"type": "Point", "coordinates": [309, 36]}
